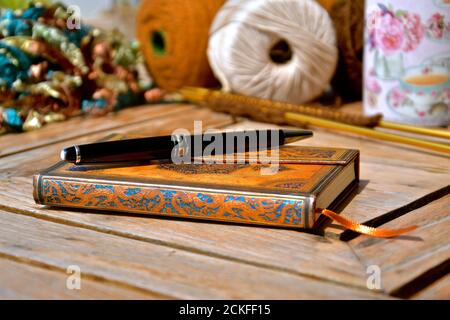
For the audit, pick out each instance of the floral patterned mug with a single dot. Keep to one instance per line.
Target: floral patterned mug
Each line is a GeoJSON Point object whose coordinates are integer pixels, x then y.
{"type": "Point", "coordinates": [407, 61]}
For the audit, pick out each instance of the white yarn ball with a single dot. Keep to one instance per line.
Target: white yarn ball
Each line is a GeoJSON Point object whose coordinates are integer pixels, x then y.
{"type": "Point", "coordinates": [243, 34]}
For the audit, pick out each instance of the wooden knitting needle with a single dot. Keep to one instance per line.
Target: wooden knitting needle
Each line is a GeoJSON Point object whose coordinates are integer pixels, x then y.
{"type": "Point", "coordinates": [240, 105]}
{"type": "Point", "coordinates": [440, 133]}
{"type": "Point", "coordinates": [296, 119]}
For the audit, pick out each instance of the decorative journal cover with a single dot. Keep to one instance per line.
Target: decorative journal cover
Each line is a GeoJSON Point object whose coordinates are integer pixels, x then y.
{"type": "Point", "coordinates": [307, 179]}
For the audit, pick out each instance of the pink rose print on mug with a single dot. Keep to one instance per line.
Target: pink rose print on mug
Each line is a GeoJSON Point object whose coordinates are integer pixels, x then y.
{"type": "Point", "coordinates": [446, 94]}
{"type": "Point", "coordinates": [391, 33]}
{"type": "Point", "coordinates": [398, 96]}
{"type": "Point", "coordinates": [394, 31]}
{"type": "Point", "coordinates": [414, 31]}
{"type": "Point", "coordinates": [438, 27]}
{"type": "Point", "coordinates": [372, 85]}
{"type": "Point", "coordinates": [373, 89]}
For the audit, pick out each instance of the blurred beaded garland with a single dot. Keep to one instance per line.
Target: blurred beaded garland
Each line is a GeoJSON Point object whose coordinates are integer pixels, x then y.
{"type": "Point", "coordinates": [50, 71]}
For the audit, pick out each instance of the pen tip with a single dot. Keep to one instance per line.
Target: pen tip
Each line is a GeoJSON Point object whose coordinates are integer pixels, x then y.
{"type": "Point", "coordinates": [68, 154]}
{"type": "Point", "coordinates": [297, 133]}
{"type": "Point", "coordinates": [63, 155]}
{"type": "Point", "coordinates": [291, 136]}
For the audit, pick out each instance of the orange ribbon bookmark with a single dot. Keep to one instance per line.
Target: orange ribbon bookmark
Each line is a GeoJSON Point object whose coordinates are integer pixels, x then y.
{"type": "Point", "coordinates": [370, 231]}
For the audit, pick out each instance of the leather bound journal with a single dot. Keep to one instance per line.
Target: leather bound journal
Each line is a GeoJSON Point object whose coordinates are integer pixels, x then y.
{"type": "Point", "coordinates": [307, 179]}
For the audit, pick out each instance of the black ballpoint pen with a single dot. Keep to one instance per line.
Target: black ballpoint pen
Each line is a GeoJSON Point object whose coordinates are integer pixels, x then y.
{"type": "Point", "coordinates": [163, 147]}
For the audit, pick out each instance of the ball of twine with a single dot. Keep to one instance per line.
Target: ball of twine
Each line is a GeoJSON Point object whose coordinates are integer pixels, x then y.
{"type": "Point", "coordinates": [174, 36]}
{"type": "Point", "coordinates": [348, 18]}
{"type": "Point", "coordinates": [273, 49]}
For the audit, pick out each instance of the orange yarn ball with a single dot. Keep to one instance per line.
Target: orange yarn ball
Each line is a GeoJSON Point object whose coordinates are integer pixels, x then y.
{"type": "Point", "coordinates": [174, 36]}
{"type": "Point", "coordinates": [327, 4]}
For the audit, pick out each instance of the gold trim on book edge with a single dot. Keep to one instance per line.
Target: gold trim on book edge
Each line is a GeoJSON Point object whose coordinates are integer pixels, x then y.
{"type": "Point", "coordinates": [36, 188]}
{"type": "Point", "coordinates": [141, 182]}
{"type": "Point", "coordinates": [341, 156]}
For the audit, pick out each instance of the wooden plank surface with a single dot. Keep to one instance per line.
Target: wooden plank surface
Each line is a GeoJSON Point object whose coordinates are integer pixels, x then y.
{"type": "Point", "coordinates": [155, 268]}
{"type": "Point", "coordinates": [405, 258]}
{"type": "Point", "coordinates": [257, 262]}
{"type": "Point", "coordinates": [20, 280]}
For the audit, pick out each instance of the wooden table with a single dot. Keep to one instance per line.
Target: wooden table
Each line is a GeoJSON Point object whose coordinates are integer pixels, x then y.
{"type": "Point", "coordinates": [122, 256]}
